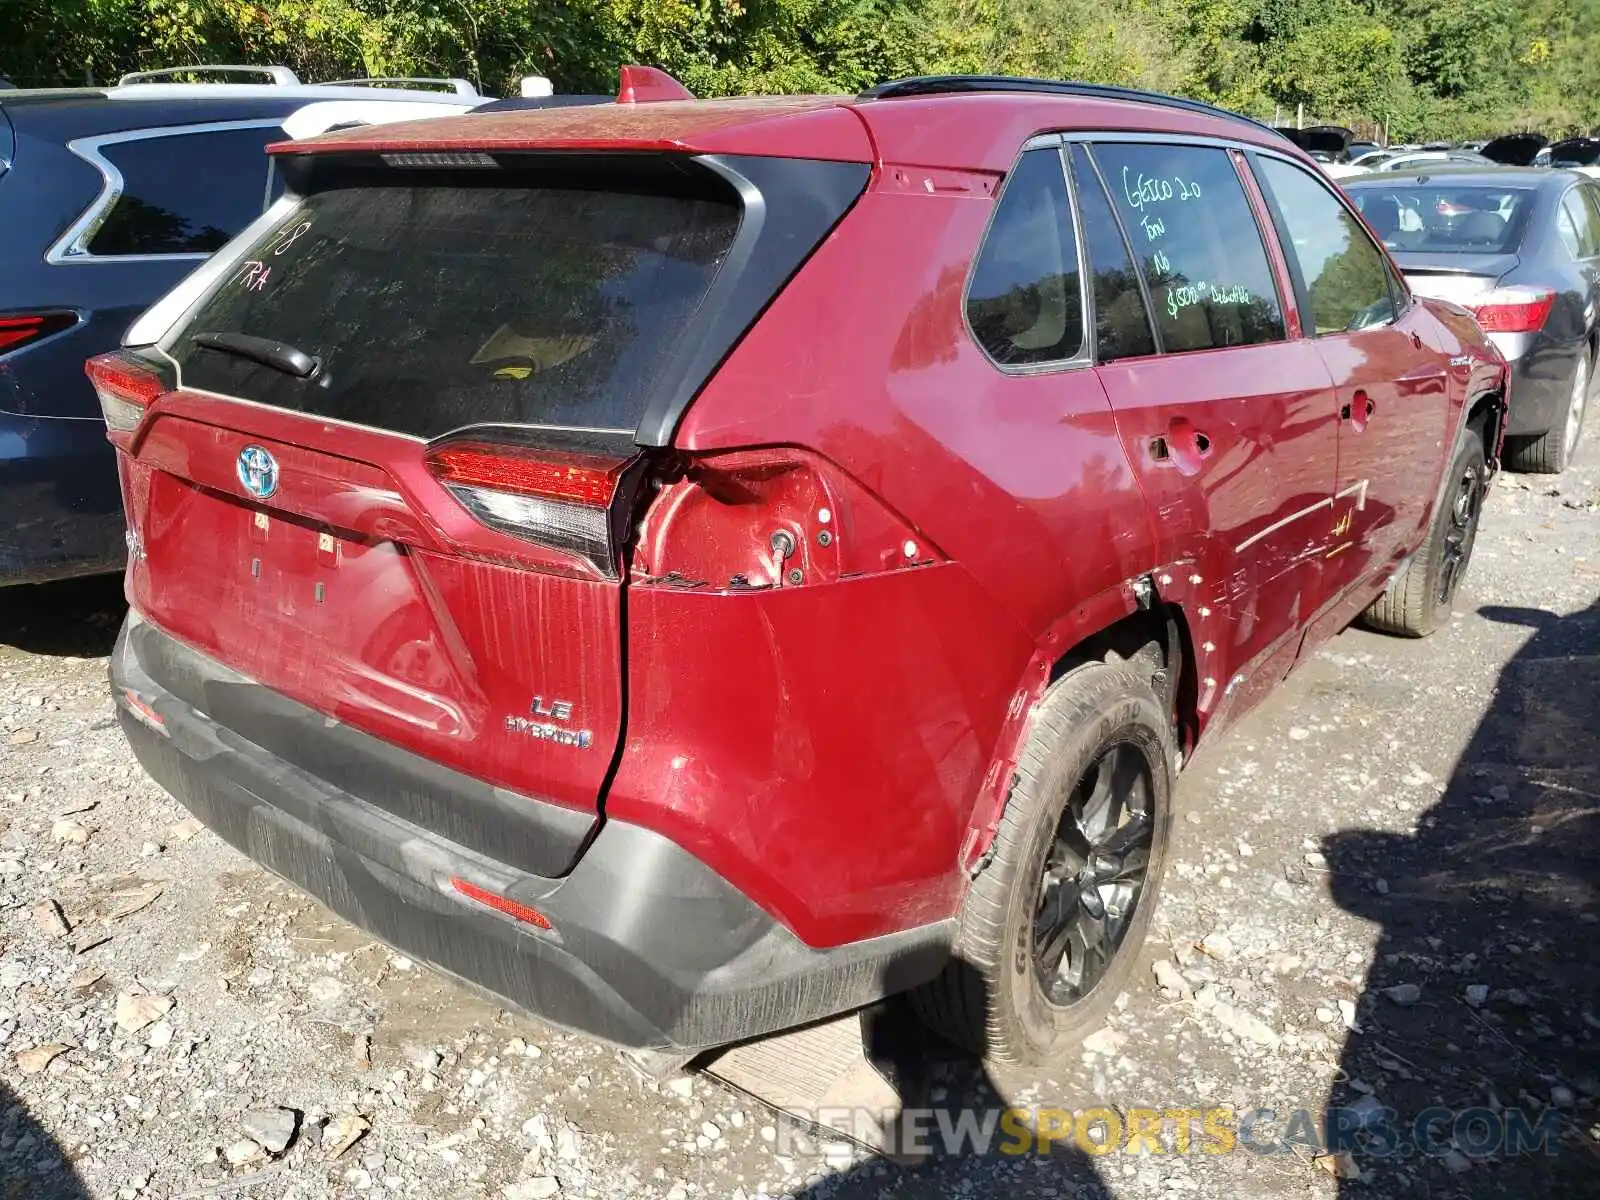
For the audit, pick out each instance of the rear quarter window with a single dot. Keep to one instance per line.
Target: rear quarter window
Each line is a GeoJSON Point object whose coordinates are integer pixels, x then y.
{"type": "Point", "coordinates": [184, 193]}
{"type": "Point", "coordinates": [1025, 303]}
{"type": "Point", "coordinates": [1197, 242]}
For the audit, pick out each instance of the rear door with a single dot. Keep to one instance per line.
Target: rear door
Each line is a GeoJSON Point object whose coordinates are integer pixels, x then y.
{"type": "Point", "coordinates": [1230, 423]}
{"type": "Point", "coordinates": [1390, 381]}
{"type": "Point", "coordinates": [1584, 203]}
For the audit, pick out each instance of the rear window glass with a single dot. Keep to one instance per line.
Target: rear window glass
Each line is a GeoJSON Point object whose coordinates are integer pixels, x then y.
{"type": "Point", "coordinates": [1439, 219]}
{"type": "Point", "coordinates": [434, 306]}
{"type": "Point", "coordinates": [184, 193]}
{"type": "Point", "coordinates": [1197, 240]}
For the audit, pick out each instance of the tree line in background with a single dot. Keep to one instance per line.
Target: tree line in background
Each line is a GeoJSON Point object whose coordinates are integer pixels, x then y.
{"type": "Point", "coordinates": [1418, 68]}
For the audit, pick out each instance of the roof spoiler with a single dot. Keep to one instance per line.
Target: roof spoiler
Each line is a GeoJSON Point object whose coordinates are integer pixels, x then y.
{"type": "Point", "coordinates": [647, 85]}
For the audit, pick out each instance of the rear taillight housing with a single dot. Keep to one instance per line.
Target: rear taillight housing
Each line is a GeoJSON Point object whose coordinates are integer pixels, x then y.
{"type": "Point", "coordinates": [565, 500]}
{"type": "Point", "coordinates": [126, 388]}
{"type": "Point", "coordinates": [1514, 309]}
{"type": "Point", "coordinates": [23, 329]}
{"type": "Point", "coordinates": [781, 517]}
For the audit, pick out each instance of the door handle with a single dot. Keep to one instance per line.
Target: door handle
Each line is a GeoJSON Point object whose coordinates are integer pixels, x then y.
{"type": "Point", "coordinates": [1182, 446]}
{"type": "Point", "coordinates": [1358, 411]}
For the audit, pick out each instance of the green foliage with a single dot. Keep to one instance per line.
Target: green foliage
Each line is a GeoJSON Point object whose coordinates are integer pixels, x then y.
{"type": "Point", "coordinates": [1420, 67]}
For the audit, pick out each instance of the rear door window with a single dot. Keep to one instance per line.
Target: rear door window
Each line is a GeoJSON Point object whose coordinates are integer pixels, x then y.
{"type": "Point", "coordinates": [528, 298]}
{"type": "Point", "coordinates": [1197, 242]}
{"type": "Point", "coordinates": [184, 193]}
{"type": "Point", "coordinates": [1024, 303]}
{"type": "Point", "coordinates": [1344, 275]}
{"type": "Point", "coordinates": [1577, 226]}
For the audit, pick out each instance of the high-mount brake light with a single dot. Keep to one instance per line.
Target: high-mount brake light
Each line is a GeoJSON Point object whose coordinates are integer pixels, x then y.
{"type": "Point", "coordinates": [21, 329]}
{"type": "Point", "coordinates": [125, 389]}
{"type": "Point", "coordinates": [559, 499]}
{"type": "Point", "coordinates": [1514, 309]}
{"type": "Point", "coordinates": [441, 159]}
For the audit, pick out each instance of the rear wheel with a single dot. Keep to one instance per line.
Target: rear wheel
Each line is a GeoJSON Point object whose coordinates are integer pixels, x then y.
{"type": "Point", "coordinates": [1422, 597]}
{"type": "Point", "coordinates": [1052, 926]}
{"type": "Point", "coordinates": [1549, 453]}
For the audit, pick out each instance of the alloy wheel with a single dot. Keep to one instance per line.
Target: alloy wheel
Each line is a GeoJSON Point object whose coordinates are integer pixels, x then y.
{"type": "Point", "coordinates": [1466, 503]}
{"type": "Point", "coordinates": [1576, 406]}
{"type": "Point", "coordinates": [1094, 874]}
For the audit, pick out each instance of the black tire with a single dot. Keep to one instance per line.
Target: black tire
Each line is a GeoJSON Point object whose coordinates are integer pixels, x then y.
{"type": "Point", "coordinates": [1422, 597]}
{"type": "Point", "coordinates": [992, 999]}
{"type": "Point", "coordinates": [1551, 452]}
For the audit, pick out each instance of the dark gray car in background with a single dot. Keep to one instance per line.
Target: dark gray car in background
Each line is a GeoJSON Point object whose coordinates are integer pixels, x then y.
{"type": "Point", "coordinates": [1520, 247]}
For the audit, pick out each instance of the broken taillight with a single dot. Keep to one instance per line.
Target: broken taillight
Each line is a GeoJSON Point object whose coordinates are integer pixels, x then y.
{"type": "Point", "coordinates": [780, 517]}
{"type": "Point", "coordinates": [561, 499]}
{"type": "Point", "coordinates": [126, 389]}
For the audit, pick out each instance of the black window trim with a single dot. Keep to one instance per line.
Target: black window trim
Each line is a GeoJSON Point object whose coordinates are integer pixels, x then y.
{"type": "Point", "coordinates": [1400, 301]}
{"type": "Point", "coordinates": [1085, 355]}
{"type": "Point", "coordinates": [1150, 321]}
{"type": "Point", "coordinates": [72, 247]}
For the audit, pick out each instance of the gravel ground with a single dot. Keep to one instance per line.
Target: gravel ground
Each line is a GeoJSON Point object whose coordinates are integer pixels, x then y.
{"type": "Point", "coordinates": [1382, 895]}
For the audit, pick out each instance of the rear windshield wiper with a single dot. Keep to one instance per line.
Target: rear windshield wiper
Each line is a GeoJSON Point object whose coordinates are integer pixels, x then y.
{"type": "Point", "coordinates": [278, 355]}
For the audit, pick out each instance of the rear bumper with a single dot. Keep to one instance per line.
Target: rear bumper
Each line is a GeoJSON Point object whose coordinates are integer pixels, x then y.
{"type": "Point", "coordinates": [1541, 386]}
{"type": "Point", "coordinates": [649, 948]}
{"type": "Point", "coordinates": [60, 500]}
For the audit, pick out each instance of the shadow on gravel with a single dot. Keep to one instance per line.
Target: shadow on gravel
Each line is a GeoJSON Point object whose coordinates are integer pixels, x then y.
{"type": "Point", "coordinates": [76, 617]}
{"type": "Point", "coordinates": [1491, 1073]}
{"type": "Point", "coordinates": [32, 1165]}
{"type": "Point", "coordinates": [946, 1092]}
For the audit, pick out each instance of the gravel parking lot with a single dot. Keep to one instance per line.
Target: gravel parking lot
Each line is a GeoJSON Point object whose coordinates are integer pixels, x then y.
{"type": "Point", "coordinates": [1384, 894]}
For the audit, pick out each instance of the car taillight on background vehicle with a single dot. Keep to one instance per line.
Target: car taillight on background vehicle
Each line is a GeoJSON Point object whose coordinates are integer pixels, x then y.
{"type": "Point", "coordinates": [23, 329]}
{"type": "Point", "coordinates": [564, 500]}
{"type": "Point", "coordinates": [1513, 309]}
{"type": "Point", "coordinates": [126, 389]}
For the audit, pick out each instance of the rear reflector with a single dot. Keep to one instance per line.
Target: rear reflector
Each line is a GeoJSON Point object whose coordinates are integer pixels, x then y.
{"type": "Point", "coordinates": [511, 908]}
{"type": "Point", "coordinates": [557, 499]}
{"type": "Point", "coordinates": [125, 389]}
{"type": "Point", "coordinates": [21, 329]}
{"type": "Point", "coordinates": [142, 710]}
{"type": "Point", "coordinates": [1514, 309]}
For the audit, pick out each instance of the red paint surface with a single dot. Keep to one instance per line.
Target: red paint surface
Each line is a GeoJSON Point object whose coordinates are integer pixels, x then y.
{"type": "Point", "coordinates": [424, 633]}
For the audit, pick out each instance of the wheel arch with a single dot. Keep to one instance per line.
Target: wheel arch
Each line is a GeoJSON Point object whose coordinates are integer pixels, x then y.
{"type": "Point", "coordinates": [1486, 412]}
{"type": "Point", "coordinates": [1130, 623]}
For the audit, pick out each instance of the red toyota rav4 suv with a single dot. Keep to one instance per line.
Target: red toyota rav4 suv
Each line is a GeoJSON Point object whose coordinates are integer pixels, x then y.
{"type": "Point", "coordinates": [695, 567]}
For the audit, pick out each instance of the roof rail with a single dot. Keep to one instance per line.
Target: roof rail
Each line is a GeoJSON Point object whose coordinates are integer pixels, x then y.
{"type": "Point", "coordinates": [935, 85]}
{"type": "Point", "coordinates": [281, 76]}
{"type": "Point", "coordinates": [461, 87]}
